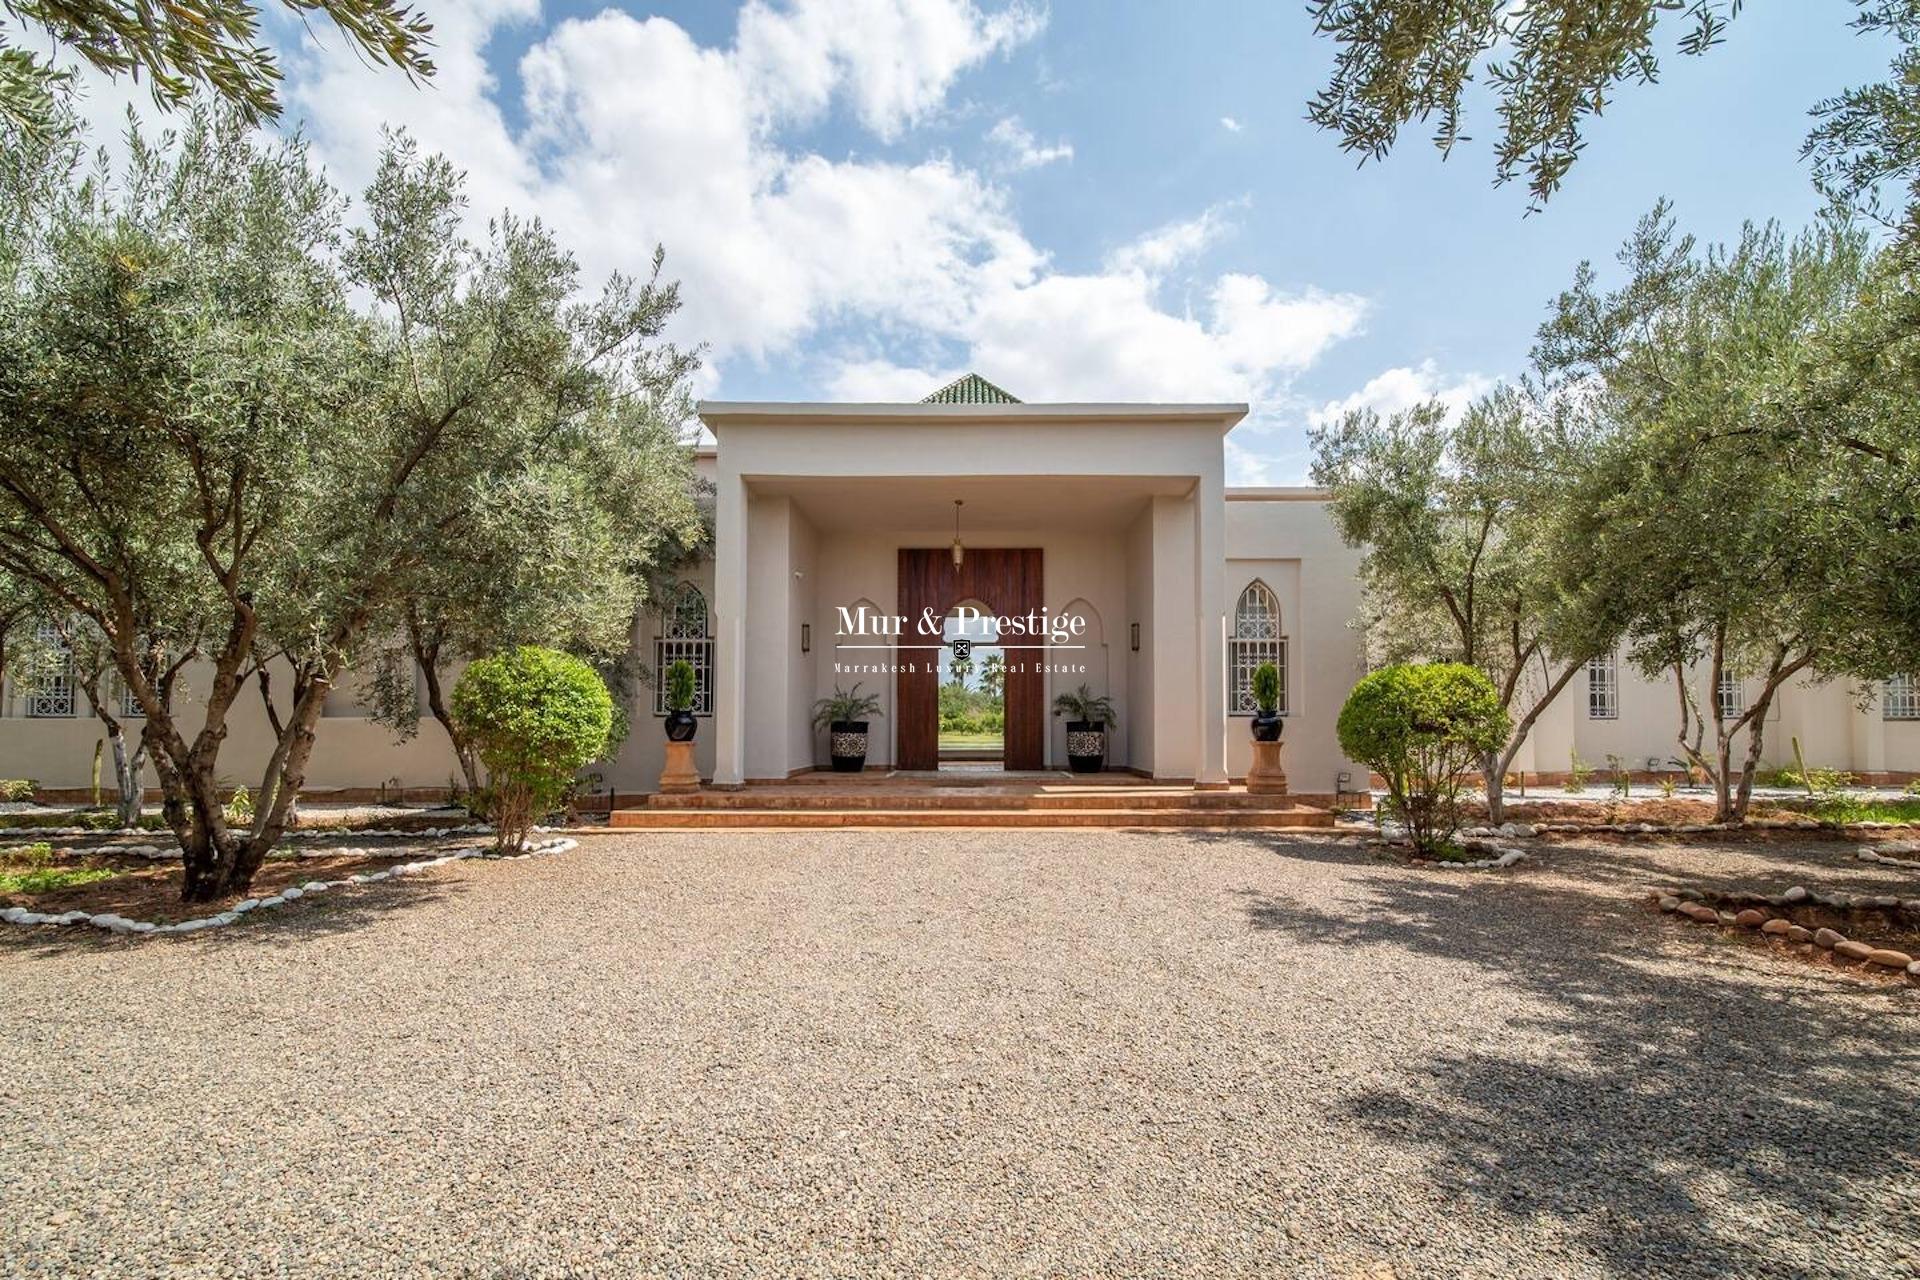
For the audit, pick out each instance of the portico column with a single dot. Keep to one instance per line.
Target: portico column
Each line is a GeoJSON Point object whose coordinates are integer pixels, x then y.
{"type": "Point", "coordinates": [730, 612]}
{"type": "Point", "coordinates": [1209, 592]}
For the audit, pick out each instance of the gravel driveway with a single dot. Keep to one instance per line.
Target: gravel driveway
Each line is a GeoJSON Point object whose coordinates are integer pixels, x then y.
{"type": "Point", "coordinates": [983, 1053]}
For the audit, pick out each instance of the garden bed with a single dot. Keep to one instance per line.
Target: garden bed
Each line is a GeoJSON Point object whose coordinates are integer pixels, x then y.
{"type": "Point", "coordinates": [1662, 811]}
{"type": "Point", "coordinates": [143, 889]}
{"type": "Point", "coordinates": [1875, 935]}
{"type": "Point", "coordinates": [1465, 855]}
{"type": "Point", "coordinates": [1697, 810]}
{"type": "Point", "coordinates": [313, 819]}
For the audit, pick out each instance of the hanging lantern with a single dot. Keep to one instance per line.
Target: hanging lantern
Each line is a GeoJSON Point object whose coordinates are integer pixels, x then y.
{"type": "Point", "coordinates": [959, 552]}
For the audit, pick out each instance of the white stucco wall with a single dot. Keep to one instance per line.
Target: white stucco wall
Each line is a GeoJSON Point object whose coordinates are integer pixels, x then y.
{"type": "Point", "coordinates": [1284, 538]}
{"type": "Point", "coordinates": [350, 751]}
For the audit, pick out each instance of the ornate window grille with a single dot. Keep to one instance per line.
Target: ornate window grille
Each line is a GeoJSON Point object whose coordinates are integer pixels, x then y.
{"type": "Point", "coordinates": [129, 704]}
{"type": "Point", "coordinates": [1900, 700]}
{"type": "Point", "coordinates": [1603, 688]}
{"type": "Point", "coordinates": [1257, 638]}
{"type": "Point", "coordinates": [48, 686]}
{"type": "Point", "coordinates": [684, 637]}
{"type": "Point", "coordinates": [1731, 696]}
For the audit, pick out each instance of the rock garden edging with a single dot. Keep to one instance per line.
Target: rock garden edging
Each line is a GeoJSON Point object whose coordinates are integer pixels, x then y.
{"type": "Point", "coordinates": [1692, 904]}
{"type": "Point", "coordinates": [1877, 855]}
{"type": "Point", "coordinates": [1499, 858]}
{"type": "Point", "coordinates": [304, 833]}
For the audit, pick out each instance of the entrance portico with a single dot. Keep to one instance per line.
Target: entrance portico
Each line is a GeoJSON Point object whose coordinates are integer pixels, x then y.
{"type": "Point", "coordinates": [1122, 507]}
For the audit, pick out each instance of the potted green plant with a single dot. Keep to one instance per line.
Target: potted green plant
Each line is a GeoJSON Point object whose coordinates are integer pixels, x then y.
{"type": "Point", "coordinates": [680, 722]}
{"type": "Point", "coordinates": [1266, 696]}
{"type": "Point", "coordinates": [844, 716]}
{"type": "Point", "coordinates": [1087, 719]}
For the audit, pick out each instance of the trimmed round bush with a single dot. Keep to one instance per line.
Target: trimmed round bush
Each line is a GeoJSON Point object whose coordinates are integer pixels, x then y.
{"type": "Point", "coordinates": [1422, 727]}
{"type": "Point", "coordinates": [535, 717]}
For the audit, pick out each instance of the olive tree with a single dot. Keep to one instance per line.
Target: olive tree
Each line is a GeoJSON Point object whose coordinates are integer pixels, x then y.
{"type": "Point", "coordinates": [181, 48]}
{"type": "Point", "coordinates": [1551, 65]}
{"type": "Point", "coordinates": [1457, 518]}
{"type": "Point", "coordinates": [219, 455]}
{"type": "Point", "coordinates": [19, 601]}
{"type": "Point", "coordinates": [1746, 524]}
{"type": "Point", "coordinates": [567, 549]}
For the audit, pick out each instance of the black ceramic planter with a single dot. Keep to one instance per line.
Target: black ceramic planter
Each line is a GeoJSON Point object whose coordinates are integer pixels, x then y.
{"type": "Point", "coordinates": [847, 745]}
{"type": "Point", "coordinates": [681, 726]}
{"type": "Point", "coordinates": [1267, 726]}
{"type": "Point", "coordinates": [1086, 745]}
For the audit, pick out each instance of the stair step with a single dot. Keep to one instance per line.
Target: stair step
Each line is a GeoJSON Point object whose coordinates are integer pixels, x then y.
{"type": "Point", "coordinates": [1100, 798]}
{"type": "Point", "coordinates": [1268, 818]}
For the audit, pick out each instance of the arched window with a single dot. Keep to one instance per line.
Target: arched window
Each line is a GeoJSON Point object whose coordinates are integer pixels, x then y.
{"type": "Point", "coordinates": [1257, 638]}
{"type": "Point", "coordinates": [685, 617]}
{"type": "Point", "coordinates": [684, 638]}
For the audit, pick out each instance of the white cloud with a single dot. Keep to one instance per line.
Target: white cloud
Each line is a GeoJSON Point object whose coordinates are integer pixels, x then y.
{"type": "Point", "coordinates": [767, 243]}
{"type": "Point", "coordinates": [1245, 468]}
{"type": "Point", "coordinates": [881, 381]}
{"type": "Point", "coordinates": [1023, 150]}
{"type": "Point", "coordinates": [637, 134]}
{"type": "Point", "coordinates": [1167, 246]}
{"type": "Point", "coordinates": [1262, 328]}
{"type": "Point", "coordinates": [1230, 124]}
{"type": "Point", "coordinates": [1104, 337]}
{"type": "Point", "coordinates": [1399, 389]}
{"type": "Point", "coordinates": [895, 59]}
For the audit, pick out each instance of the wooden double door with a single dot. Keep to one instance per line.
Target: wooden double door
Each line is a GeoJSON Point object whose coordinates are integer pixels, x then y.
{"type": "Point", "coordinates": [1006, 581]}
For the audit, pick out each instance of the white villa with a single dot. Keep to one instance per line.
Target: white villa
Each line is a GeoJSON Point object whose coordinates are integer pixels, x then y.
{"type": "Point", "coordinates": [1106, 530]}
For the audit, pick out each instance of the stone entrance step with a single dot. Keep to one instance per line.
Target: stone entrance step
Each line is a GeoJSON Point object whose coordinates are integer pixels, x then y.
{"type": "Point", "coordinates": [1131, 798]}
{"type": "Point", "coordinates": [1266, 817]}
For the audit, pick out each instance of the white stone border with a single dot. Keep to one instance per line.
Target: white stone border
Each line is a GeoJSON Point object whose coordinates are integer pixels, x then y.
{"type": "Point", "coordinates": [1503, 859]}
{"type": "Point", "coordinates": [1691, 904]}
{"type": "Point", "coordinates": [1392, 834]}
{"type": "Point", "coordinates": [157, 853]}
{"type": "Point", "coordinates": [120, 924]}
{"type": "Point", "coordinates": [1874, 855]}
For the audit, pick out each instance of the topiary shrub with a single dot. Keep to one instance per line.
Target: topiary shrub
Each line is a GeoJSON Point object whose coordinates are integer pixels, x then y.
{"type": "Point", "coordinates": [1422, 727]}
{"type": "Point", "coordinates": [534, 717]}
{"type": "Point", "coordinates": [1266, 687]}
{"type": "Point", "coordinates": [682, 688]}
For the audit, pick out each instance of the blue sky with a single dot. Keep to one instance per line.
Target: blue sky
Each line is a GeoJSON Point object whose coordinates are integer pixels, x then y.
{"type": "Point", "coordinates": [864, 196]}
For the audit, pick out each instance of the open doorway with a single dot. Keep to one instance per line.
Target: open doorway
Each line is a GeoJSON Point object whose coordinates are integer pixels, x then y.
{"type": "Point", "coordinates": [972, 690]}
{"type": "Point", "coordinates": [997, 581]}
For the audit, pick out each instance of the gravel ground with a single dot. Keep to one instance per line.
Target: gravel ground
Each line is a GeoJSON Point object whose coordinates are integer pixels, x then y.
{"type": "Point", "coordinates": [983, 1053]}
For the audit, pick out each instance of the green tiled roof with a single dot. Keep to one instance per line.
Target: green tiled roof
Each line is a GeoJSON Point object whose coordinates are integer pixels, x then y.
{"type": "Point", "coordinates": [970, 389]}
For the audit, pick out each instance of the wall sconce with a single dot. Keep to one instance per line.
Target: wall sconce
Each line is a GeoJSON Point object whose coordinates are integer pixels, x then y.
{"type": "Point", "coordinates": [1133, 636]}
{"type": "Point", "coordinates": [806, 637]}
